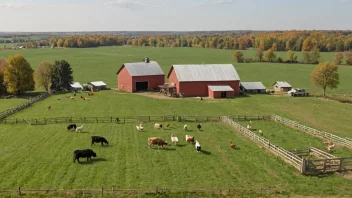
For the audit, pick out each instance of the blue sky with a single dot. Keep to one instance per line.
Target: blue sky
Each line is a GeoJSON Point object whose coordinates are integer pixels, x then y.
{"type": "Point", "coordinates": [174, 15]}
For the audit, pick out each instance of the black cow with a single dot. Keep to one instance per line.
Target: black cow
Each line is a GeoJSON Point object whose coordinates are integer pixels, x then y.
{"type": "Point", "coordinates": [97, 139]}
{"type": "Point", "coordinates": [199, 126]}
{"type": "Point", "coordinates": [71, 126]}
{"type": "Point", "coordinates": [117, 120]}
{"type": "Point", "coordinates": [87, 153]}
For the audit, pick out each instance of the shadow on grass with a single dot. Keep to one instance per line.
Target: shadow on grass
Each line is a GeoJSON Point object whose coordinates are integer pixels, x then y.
{"type": "Point", "coordinates": [94, 160]}
{"type": "Point", "coordinates": [83, 132]}
{"type": "Point", "coordinates": [165, 149]}
{"type": "Point", "coordinates": [181, 145]}
{"type": "Point", "coordinates": [206, 152]}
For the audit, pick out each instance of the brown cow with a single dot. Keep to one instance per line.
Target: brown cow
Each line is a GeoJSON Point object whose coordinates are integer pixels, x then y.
{"type": "Point", "coordinates": [189, 138]}
{"type": "Point", "coordinates": [156, 141]}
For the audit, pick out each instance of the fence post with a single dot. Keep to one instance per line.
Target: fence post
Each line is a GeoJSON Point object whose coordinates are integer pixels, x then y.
{"type": "Point", "coordinates": [19, 190]}
{"type": "Point", "coordinates": [102, 190]}
{"type": "Point", "coordinates": [55, 121]}
{"type": "Point", "coordinates": [112, 189]}
{"type": "Point", "coordinates": [149, 118]}
{"type": "Point", "coordinates": [96, 119]}
{"type": "Point", "coordinates": [36, 121]}
{"type": "Point", "coordinates": [16, 120]}
{"type": "Point", "coordinates": [124, 121]}
{"type": "Point", "coordinates": [111, 119]}
{"type": "Point", "coordinates": [156, 190]}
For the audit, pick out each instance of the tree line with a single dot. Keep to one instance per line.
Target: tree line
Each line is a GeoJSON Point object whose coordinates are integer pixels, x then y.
{"type": "Point", "coordinates": [18, 77]}
{"type": "Point", "coordinates": [325, 41]}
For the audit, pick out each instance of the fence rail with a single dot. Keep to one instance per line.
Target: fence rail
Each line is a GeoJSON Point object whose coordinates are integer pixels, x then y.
{"type": "Point", "coordinates": [8, 112]}
{"type": "Point", "coordinates": [125, 119]}
{"type": "Point", "coordinates": [320, 134]}
{"type": "Point", "coordinates": [287, 156]}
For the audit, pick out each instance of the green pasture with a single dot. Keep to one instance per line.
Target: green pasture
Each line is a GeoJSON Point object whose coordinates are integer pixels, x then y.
{"type": "Point", "coordinates": [290, 138]}
{"type": "Point", "coordinates": [91, 64]}
{"type": "Point", "coordinates": [9, 103]}
{"type": "Point", "coordinates": [40, 157]}
{"type": "Point", "coordinates": [330, 116]}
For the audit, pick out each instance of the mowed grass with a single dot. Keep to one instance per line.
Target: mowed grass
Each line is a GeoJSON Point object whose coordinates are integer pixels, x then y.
{"type": "Point", "coordinates": [91, 64]}
{"type": "Point", "coordinates": [330, 116]}
{"type": "Point", "coordinates": [290, 138]}
{"type": "Point", "coordinates": [40, 157]}
{"type": "Point", "coordinates": [9, 103]}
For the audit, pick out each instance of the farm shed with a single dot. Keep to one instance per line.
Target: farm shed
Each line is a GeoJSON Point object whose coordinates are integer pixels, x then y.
{"type": "Point", "coordinates": [76, 86]}
{"type": "Point", "coordinates": [141, 76]}
{"type": "Point", "coordinates": [253, 87]}
{"type": "Point", "coordinates": [193, 80]}
{"type": "Point", "coordinates": [97, 85]}
{"type": "Point", "coordinates": [282, 86]}
{"type": "Point", "coordinates": [220, 91]}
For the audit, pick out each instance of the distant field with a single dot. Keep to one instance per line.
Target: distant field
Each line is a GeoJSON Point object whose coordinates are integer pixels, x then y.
{"type": "Point", "coordinates": [91, 64]}
{"type": "Point", "coordinates": [45, 161]}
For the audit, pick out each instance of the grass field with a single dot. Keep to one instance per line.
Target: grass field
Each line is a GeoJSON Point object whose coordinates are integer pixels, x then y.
{"type": "Point", "coordinates": [311, 111]}
{"type": "Point", "coordinates": [92, 64]}
{"type": "Point", "coordinates": [9, 103]}
{"type": "Point", "coordinates": [290, 138]}
{"type": "Point", "coordinates": [45, 161]}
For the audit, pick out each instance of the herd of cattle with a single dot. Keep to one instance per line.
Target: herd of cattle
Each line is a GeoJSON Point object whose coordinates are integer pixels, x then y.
{"type": "Point", "coordinates": [88, 153]}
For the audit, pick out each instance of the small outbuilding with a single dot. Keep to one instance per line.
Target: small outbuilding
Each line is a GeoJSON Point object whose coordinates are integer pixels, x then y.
{"type": "Point", "coordinates": [140, 76]}
{"type": "Point", "coordinates": [76, 86]}
{"type": "Point", "coordinates": [220, 91]}
{"type": "Point", "coordinates": [253, 87]}
{"type": "Point", "coordinates": [97, 85]}
{"type": "Point", "coordinates": [282, 86]}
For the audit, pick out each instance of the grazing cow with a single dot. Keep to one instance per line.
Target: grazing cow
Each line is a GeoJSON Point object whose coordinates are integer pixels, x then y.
{"type": "Point", "coordinates": [185, 127]}
{"type": "Point", "coordinates": [71, 126]}
{"type": "Point", "coordinates": [49, 107]}
{"type": "Point", "coordinates": [98, 139]}
{"type": "Point", "coordinates": [158, 126]}
{"type": "Point", "coordinates": [156, 141]}
{"type": "Point", "coordinates": [199, 126]}
{"type": "Point", "coordinates": [167, 125]}
{"type": "Point", "coordinates": [79, 129]}
{"type": "Point", "coordinates": [197, 146]}
{"type": "Point", "coordinates": [117, 120]}
{"type": "Point", "coordinates": [232, 145]}
{"type": "Point", "coordinates": [189, 139]}
{"type": "Point", "coordinates": [87, 153]}
{"type": "Point", "coordinates": [174, 139]}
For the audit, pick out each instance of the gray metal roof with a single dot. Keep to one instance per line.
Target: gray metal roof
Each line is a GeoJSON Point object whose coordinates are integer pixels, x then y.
{"type": "Point", "coordinates": [252, 85]}
{"type": "Point", "coordinates": [282, 84]}
{"type": "Point", "coordinates": [209, 72]}
{"type": "Point", "coordinates": [220, 88]}
{"type": "Point", "coordinates": [144, 69]}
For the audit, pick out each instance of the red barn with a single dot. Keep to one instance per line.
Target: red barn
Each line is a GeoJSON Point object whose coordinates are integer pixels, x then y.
{"type": "Point", "coordinates": [215, 80]}
{"type": "Point", "coordinates": [143, 76]}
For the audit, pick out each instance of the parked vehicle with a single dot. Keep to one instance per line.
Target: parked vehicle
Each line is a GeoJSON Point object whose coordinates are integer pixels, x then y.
{"type": "Point", "coordinates": [297, 92]}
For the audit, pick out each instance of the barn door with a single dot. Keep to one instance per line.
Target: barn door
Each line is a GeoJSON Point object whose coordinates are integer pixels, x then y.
{"type": "Point", "coordinates": [142, 86]}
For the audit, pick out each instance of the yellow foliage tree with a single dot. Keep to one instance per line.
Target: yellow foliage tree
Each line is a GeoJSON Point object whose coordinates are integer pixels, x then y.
{"type": "Point", "coordinates": [325, 75]}
{"type": "Point", "coordinates": [2, 67]}
{"type": "Point", "coordinates": [18, 75]}
{"type": "Point", "coordinates": [42, 75]}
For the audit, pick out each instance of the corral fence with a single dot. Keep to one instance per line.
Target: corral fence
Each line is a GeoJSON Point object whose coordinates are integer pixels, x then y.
{"type": "Point", "coordinates": [320, 134]}
{"type": "Point", "coordinates": [325, 162]}
{"type": "Point", "coordinates": [287, 156]}
{"type": "Point", "coordinates": [158, 191]}
{"type": "Point", "coordinates": [31, 101]}
{"type": "Point", "coordinates": [125, 119]}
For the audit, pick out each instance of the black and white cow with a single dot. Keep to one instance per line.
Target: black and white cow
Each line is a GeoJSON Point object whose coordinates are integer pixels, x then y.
{"type": "Point", "coordinates": [71, 126]}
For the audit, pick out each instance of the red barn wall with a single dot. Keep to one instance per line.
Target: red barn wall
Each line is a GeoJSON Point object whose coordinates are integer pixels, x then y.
{"type": "Point", "coordinates": [173, 79]}
{"type": "Point", "coordinates": [192, 89]}
{"type": "Point", "coordinates": [153, 81]}
{"type": "Point", "coordinates": [124, 80]}
{"type": "Point", "coordinates": [217, 94]}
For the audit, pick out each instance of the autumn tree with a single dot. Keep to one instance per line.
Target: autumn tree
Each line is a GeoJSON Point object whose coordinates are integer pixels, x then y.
{"type": "Point", "coordinates": [338, 58]}
{"type": "Point", "coordinates": [259, 54]}
{"type": "Point", "coordinates": [43, 74]}
{"type": "Point", "coordinates": [238, 56]}
{"type": "Point", "coordinates": [315, 55]}
{"type": "Point", "coordinates": [348, 58]}
{"type": "Point", "coordinates": [269, 55]}
{"type": "Point", "coordinates": [325, 75]}
{"type": "Point", "coordinates": [290, 55]}
{"type": "Point", "coordinates": [61, 77]}
{"type": "Point", "coordinates": [18, 75]}
{"type": "Point", "coordinates": [2, 85]}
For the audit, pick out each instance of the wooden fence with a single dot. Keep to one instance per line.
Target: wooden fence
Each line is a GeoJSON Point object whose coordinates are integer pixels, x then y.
{"type": "Point", "coordinates": [320, 134]}
{"type": "Point", "coordinates": [287, 156]}
{"type": "Point", "coordinates": [31, 101]}
{"type": "Point", "coordinates": [125, 119]}
{"type": "Point", "coordinates": [320, 154]}
{"type": "Point", "coordinates": [326, 165]}
{"type": "Point", "coordinates": [233, 192]}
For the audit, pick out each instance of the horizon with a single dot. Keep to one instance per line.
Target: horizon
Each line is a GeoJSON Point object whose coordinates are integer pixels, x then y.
{"type": "Point", "coordinates": [173, 15]}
